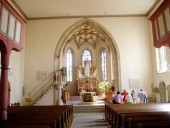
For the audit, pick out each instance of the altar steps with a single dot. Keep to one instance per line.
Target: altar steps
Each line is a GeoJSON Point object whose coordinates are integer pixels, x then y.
{"type": "Point", "coordinates": [86, 109]}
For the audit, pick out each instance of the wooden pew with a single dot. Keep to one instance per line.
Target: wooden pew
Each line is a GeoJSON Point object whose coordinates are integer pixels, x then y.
{"type": "Point", "coordinates": [121, 111]}
{"type": "Point", "coordinates": [68, 109]}
{"type": "Point", "coordinates": [38, 116]}
{"type": "Point", "coordinates": [134, 109]}
{"type": "Point", "coordinates": [27, 123]}
{"type": "Point", "coordinates": [135, 121]}
{"type": "Point", "coordinates": [154, 124]}
{"type": "Point", "coordinates": [109, 112]}
{"type": "Point", "coordinates": [122, 116]}
{"type": "Point", "coordinates": [61, 113]}
{"type": "Point", "coordinates": [59, 116]}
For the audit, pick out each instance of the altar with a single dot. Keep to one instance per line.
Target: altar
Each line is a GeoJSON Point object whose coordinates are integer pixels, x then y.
{"type": "Point", "coordinates": [87, 96]}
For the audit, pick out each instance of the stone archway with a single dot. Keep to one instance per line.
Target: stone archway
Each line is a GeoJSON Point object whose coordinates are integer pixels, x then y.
{"type": "Point", "coordinates": [109, 40]}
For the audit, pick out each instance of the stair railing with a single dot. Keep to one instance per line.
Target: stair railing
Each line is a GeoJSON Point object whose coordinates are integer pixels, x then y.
{"type": "Point", "coordinates": [41, 88]}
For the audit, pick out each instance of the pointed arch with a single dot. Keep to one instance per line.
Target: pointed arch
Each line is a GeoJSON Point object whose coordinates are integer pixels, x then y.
{"type": "Point", "coordinates": [112, 46]}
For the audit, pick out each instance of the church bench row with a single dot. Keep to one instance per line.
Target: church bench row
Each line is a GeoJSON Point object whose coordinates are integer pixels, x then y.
{"type": "Point", "coordinates": [27, 123]}
{"type": "Point", "coordinates": [123, 115]}
{"type": "Point", "coordinates": [116, 114]}
{"type": "Point", "coordinates": [62, 114]}
{"type": "Point", "coordinates": [154, 124]}
{"type": "Point", "coordinates": [135, 122]}
{"type": "Point", "coordinates": [68, 110]}
{"type": "Point", "coordinates": [66, 116]}
{"type": "Point", "coordinates": [60, 123]}
{"type": "Point", "coordinates": [116, 109]}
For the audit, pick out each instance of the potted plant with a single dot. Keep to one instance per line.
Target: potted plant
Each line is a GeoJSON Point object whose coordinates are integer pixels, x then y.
{"type": "Point", "coordinates": [103, 86]}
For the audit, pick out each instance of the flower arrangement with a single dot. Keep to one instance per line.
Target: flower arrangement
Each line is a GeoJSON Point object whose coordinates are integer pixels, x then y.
{"type": "Point", "coordinates": [103, 86]}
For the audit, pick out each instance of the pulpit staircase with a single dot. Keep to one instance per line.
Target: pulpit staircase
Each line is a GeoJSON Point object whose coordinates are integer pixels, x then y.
{"type": "Point", "coordinates": [41, 90]}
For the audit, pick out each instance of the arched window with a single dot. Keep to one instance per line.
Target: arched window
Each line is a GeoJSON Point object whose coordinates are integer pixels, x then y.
{"type": "Point", "coordinates": [86, 57]}
{"type": "Point", "coordinates": [103, 65]}
{"type": "Point", "coordinates": [161, 59]}
{"type": "Point", "coordinates": [69, 65]}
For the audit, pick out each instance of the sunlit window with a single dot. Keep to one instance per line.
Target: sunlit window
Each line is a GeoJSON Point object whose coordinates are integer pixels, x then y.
{"type": "Point", "coordinates": [69, 66]}
{"type": "Point", "coordinates": [103, 65]}
{"type": "Point", "coordinates": [161, 58]}
{"type": "Point", "coordinates": [86, 57]}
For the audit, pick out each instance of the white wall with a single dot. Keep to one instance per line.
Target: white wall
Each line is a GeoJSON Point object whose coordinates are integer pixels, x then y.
{"type": "Point", "coordinates": [131, 34]}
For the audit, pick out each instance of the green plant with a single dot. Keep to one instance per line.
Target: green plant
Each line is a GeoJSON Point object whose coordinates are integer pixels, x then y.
{"type": "Point", "coordinates": [103, 86]}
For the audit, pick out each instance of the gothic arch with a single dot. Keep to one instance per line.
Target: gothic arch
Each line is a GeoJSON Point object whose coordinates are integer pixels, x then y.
{"type": "Point", "coordinates": [114, 52]}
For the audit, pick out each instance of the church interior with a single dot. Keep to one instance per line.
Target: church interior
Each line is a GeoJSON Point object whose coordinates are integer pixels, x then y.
{"type": "Point", "coordinates": [58, 53]}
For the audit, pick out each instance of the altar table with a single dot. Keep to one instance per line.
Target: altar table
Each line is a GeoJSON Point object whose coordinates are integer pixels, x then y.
{"type": "Point", "coordinates": [87, 96]}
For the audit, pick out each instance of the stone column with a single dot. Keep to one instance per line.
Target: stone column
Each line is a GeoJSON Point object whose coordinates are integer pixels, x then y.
{"type": "Point", "coordinates": [60, 101]}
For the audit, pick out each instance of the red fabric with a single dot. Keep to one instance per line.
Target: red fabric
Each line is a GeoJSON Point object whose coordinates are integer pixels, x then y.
{"type": "Point", "coordinates": [124, 96]}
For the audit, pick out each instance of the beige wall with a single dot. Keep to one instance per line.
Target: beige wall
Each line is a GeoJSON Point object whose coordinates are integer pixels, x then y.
{"type": "Point", "coordinates": [16, 76]}
{"type": "Point", "coordinates": [131, 34]}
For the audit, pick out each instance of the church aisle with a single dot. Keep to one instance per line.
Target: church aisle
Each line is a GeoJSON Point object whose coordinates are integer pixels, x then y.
{"type": "Point", "coordinates": [89, 120]}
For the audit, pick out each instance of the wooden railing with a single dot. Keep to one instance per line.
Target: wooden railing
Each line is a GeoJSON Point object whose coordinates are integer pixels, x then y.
{"type": "Point", "coordinates": [41, 89]}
